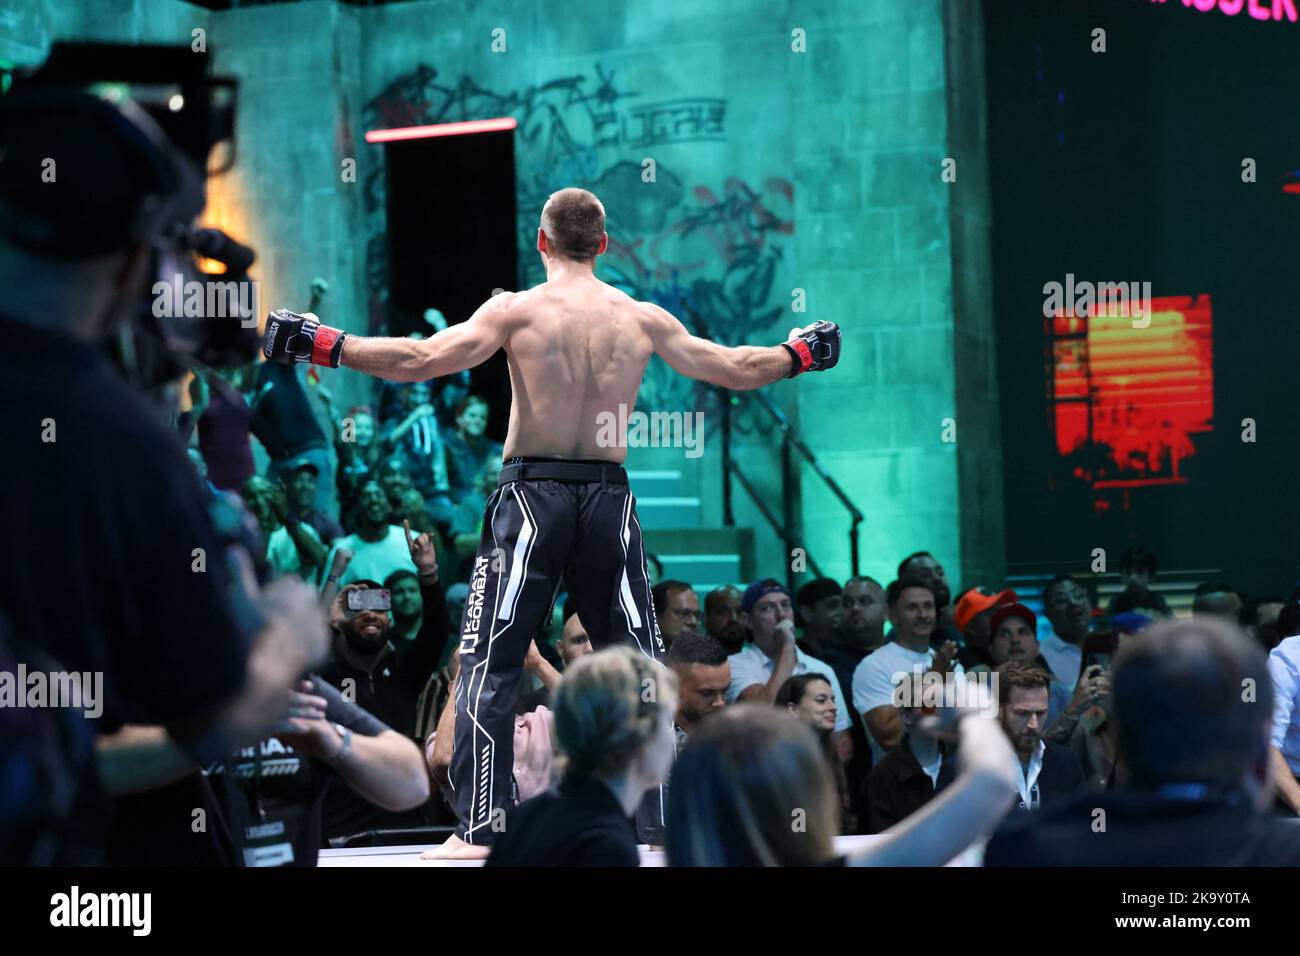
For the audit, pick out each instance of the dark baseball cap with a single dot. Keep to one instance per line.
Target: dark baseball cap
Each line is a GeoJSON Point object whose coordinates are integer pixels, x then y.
{"type": "Point", "coordinates": [1013, 610]}
{"type": "Point", "coordinates": [757, 591]}
{"type": "Point", "coordinates": [817, 589]}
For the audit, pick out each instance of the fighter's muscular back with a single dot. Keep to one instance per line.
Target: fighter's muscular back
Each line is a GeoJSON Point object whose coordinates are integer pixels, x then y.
{"type": "Point", "coordinates": [576, 347]}
{"type": "Point", "coordinates": [580, 349]}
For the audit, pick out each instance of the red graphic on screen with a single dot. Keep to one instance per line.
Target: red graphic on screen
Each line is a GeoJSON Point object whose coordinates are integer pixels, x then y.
{"type": "Point", "coordinates": [1125, 401]}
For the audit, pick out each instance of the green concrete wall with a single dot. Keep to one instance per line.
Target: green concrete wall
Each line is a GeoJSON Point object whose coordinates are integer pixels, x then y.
{"type": "Point", "coordinates": [776, 170]}
{"type": "Point", "coordinates": [28, 27]}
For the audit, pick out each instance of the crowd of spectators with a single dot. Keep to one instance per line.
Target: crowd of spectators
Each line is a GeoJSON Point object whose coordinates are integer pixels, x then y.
{"type": "Point", "coordinates": [832, 656]}
{"type": "Point", "coordinates": [391, 507]}
{"type": "Point", "coordinates": [256, 710]}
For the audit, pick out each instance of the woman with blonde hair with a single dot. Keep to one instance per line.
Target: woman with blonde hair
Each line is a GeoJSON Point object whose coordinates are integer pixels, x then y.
{"type": "Point", "coordinates": [613, 728]}
{"type": "Point", "coordinates": [752, 788]}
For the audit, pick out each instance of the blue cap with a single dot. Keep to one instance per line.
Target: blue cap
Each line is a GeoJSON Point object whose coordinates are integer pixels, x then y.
{"type": "Point", "coordinates": [757, 591]}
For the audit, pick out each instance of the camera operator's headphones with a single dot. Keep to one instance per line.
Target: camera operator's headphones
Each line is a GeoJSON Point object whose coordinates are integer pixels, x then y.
{"type": "Point", "coordinates": [170, 190]}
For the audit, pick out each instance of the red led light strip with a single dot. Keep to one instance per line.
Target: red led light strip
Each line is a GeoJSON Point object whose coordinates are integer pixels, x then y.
{"type": "Point", "coordinates": [441, 129]}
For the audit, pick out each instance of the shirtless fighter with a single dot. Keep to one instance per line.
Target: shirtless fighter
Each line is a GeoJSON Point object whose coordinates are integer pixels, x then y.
{"type": "Point", "coordinates": [577, 349]}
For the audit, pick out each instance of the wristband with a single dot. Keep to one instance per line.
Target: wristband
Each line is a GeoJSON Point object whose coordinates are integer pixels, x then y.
{"type": "Point", "coordinates": [346, 734]}
{"type": "Point", "coordinates": [800, 356]}
{"type": "Point", "coordinates": [327, 346]}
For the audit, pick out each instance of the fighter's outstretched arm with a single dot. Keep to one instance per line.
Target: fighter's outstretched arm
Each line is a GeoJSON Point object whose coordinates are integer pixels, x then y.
{"type": "Point", "coordinates": [741, 367]}
{"type": "Point", "coordinates": [455, 348]}
{"type": "Point", "coordinates": [967, 811]}
{"type": "Point", "coordinates": [300, 338]}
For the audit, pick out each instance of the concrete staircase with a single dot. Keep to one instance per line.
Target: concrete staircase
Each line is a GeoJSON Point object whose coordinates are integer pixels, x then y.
{"type": "Point", "coordinates": [672, 525]}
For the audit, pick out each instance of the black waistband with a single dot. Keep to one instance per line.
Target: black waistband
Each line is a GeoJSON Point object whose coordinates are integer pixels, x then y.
{"type": "Point", "coordinates": [561, 469]}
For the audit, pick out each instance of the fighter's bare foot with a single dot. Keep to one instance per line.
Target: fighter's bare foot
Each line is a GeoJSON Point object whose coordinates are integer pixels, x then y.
{"type": "Point", "coordinates": [456, 849]}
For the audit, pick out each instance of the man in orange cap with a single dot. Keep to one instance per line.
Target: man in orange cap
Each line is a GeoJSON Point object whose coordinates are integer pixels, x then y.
{"type": "Point", "coordinates": [972, 615]}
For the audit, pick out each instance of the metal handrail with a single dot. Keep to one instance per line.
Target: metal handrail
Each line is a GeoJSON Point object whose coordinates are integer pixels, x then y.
{"type": "Point", "coordinates": [789, 440]}
{"type": "Point", "coordinates": [783, 533]}
{"type": "Point", "coordinates": [791, 437]}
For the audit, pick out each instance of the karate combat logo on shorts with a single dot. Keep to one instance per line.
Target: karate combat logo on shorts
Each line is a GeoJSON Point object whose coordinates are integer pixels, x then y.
{"type": "Point", "coordinates": [474, 606]}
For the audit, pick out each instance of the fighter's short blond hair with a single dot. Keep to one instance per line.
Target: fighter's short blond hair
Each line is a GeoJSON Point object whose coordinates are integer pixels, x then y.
{"type": "Point", "coordinates": [574, 222]}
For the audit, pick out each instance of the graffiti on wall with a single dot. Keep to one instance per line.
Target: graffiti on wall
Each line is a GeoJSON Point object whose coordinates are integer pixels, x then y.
{"type": "Point", "coordinates": [713, 250]}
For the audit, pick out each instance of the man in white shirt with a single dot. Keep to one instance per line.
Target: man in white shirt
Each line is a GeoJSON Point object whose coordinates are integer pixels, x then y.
{"type": "Point", "coordinates": [1067, 605]}
{"type": "Point", "coordinates": [769, 658]}
{"type": "Point", "coordinates": [911, 609]}
{"type": "Point", "coordinates": [378, 548]}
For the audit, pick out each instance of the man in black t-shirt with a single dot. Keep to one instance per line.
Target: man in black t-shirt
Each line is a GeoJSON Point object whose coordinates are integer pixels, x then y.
{"type": "Point", "coordinates": [263, 805]}
{"type": "Point", "coordinates": [270, 796]}
{"type": "Point", "coordinates": [386, 680]}
{"type": "Point", "coordinates": [111, 565]}
{"type": "Point", "coordinates": [385, 676]}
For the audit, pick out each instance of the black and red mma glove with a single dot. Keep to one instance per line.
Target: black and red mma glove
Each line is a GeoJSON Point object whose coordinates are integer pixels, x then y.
{"type": "Point", "coordinates": [291, 338]}
{"type": "Point", "coordinates": [814, 348]}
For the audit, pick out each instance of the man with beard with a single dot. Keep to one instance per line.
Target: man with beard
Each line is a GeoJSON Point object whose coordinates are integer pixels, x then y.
{"type": "Point", "coordinates": [384, 678]}
{"type": "Point", "coordinates": [378, 547]}
{"type": "Point", "coordinates": [722, 618]}
{"type": "Point", "coordinates": [1068, 607]}
{"type": "Point", "coordinates": [864, 613]}
{"type": "Point", "coordinates": [1015, 637]}
{"type": "Point", "coordinates": [703, 675]}
{"type": "Point", "coordinates": [1049, 772]}
{"type": "Point", "coordinates": [1195, 787]}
